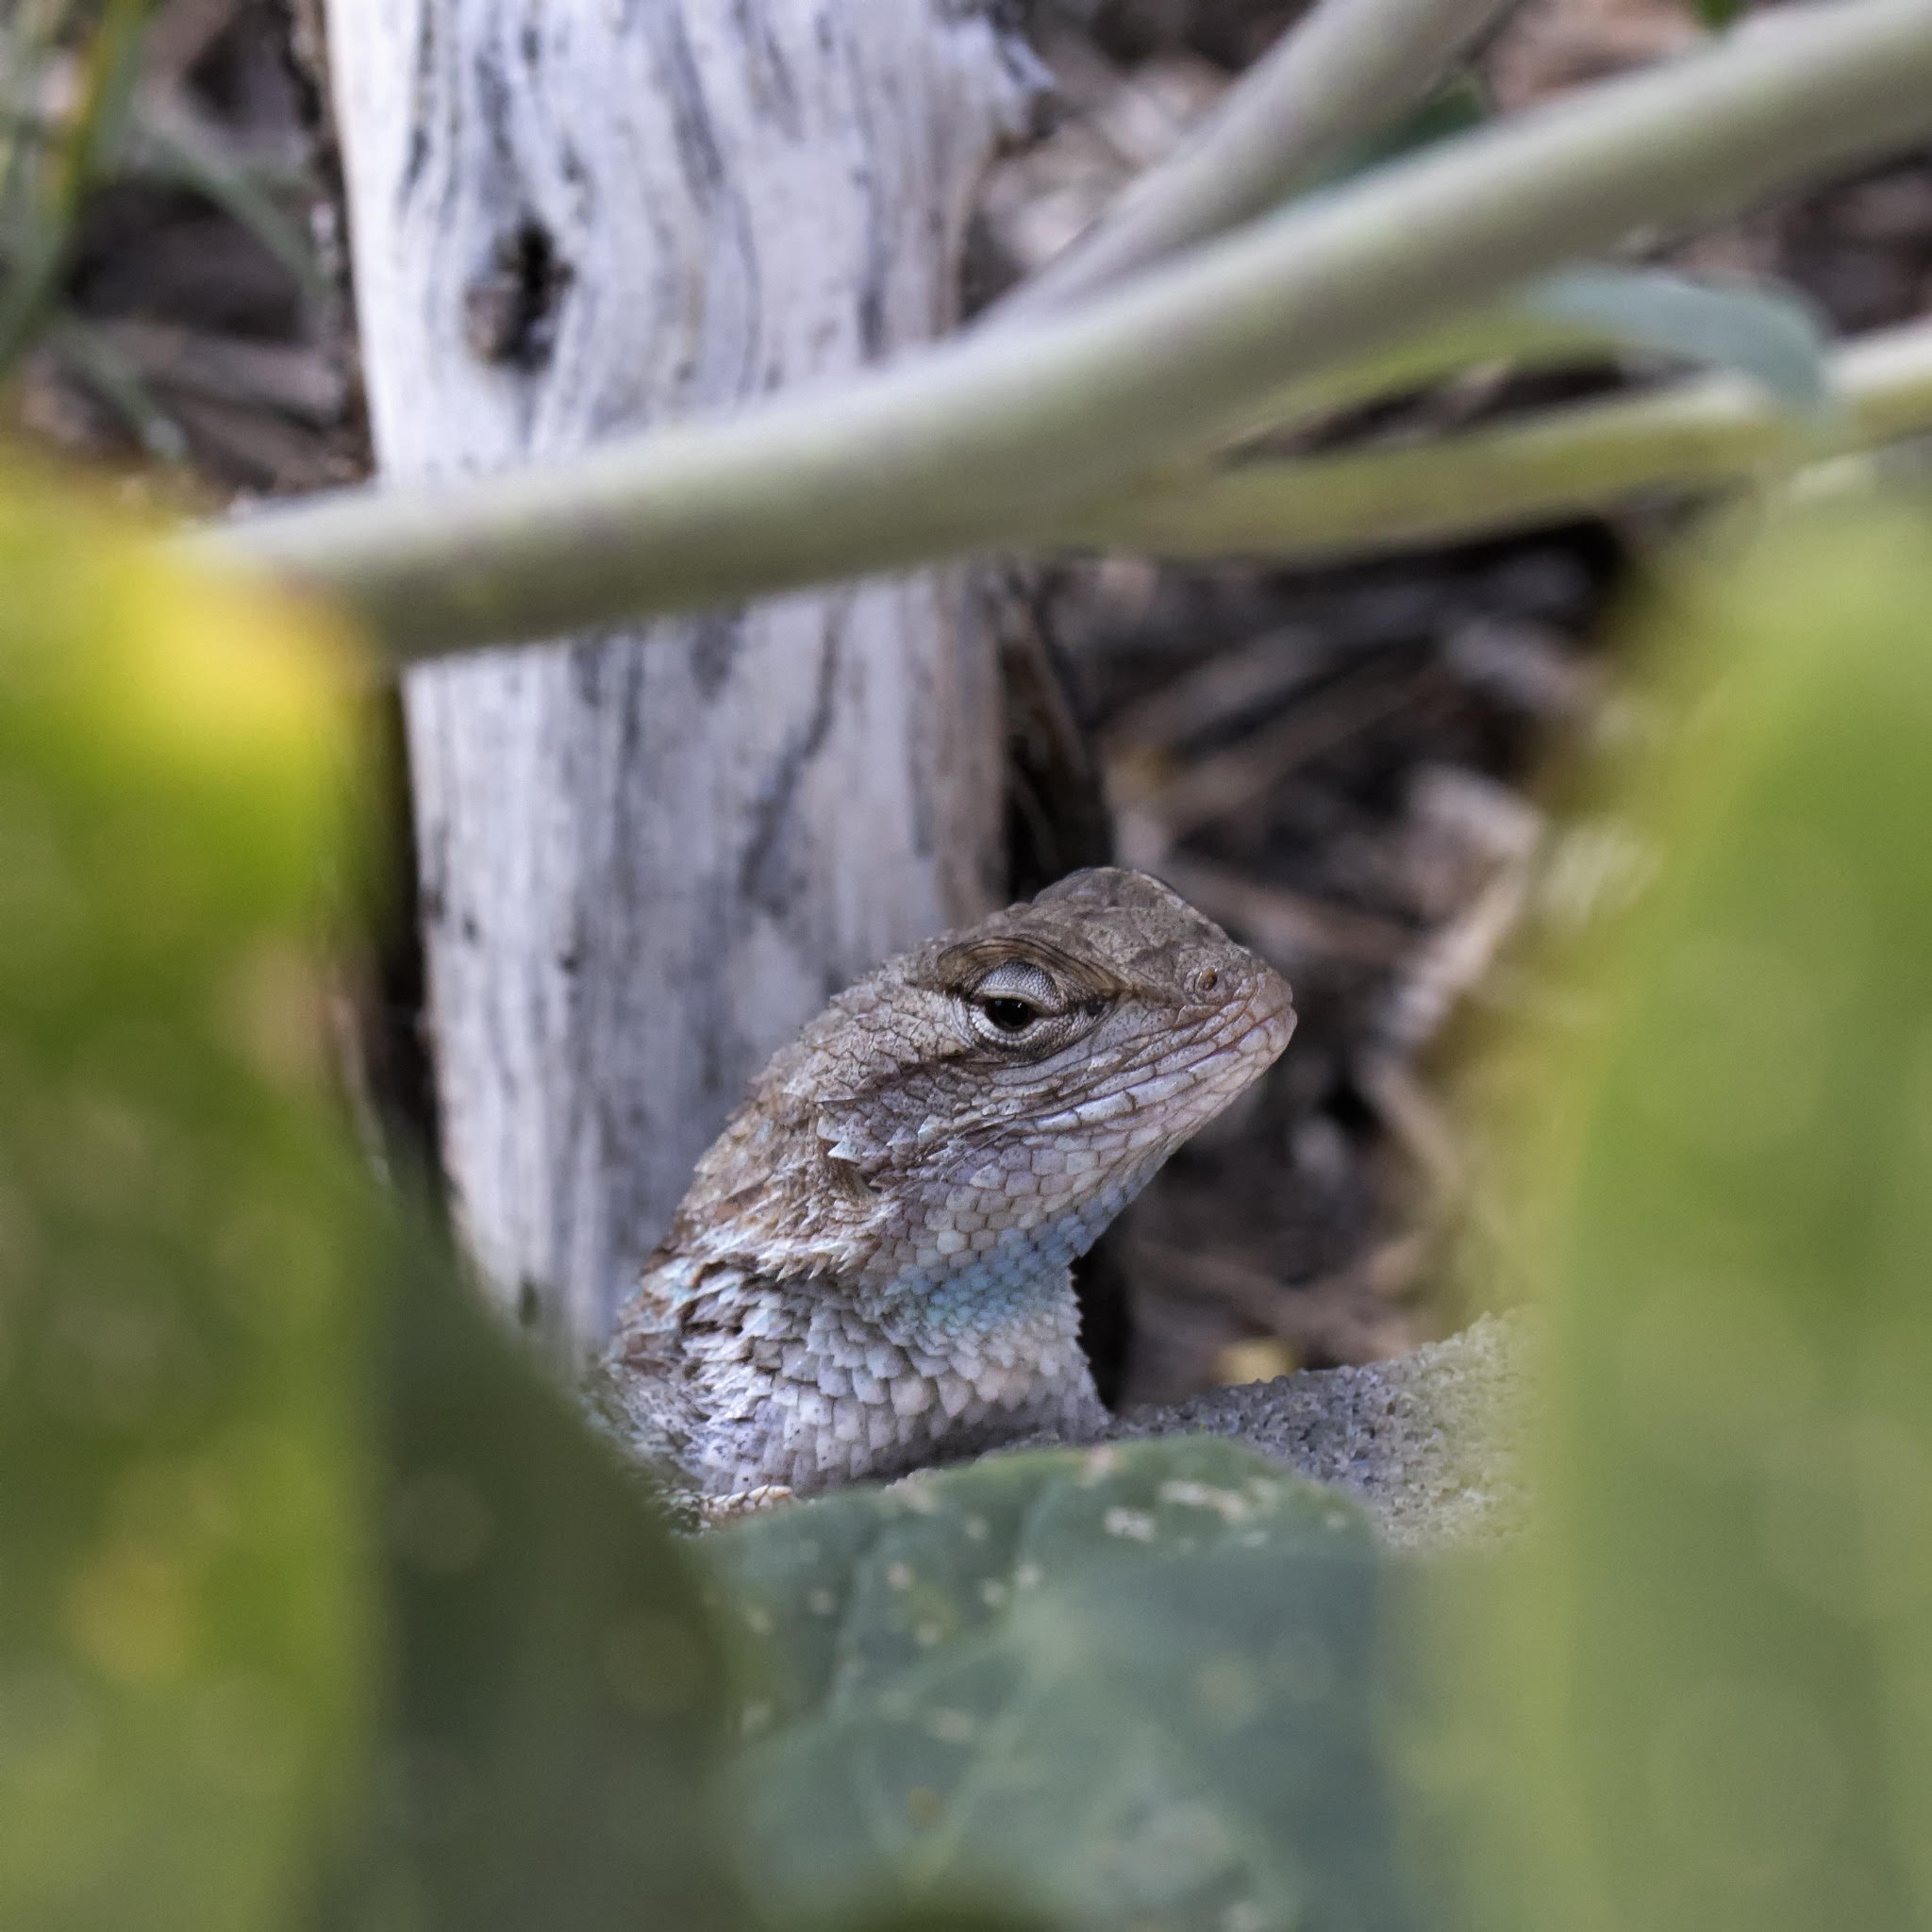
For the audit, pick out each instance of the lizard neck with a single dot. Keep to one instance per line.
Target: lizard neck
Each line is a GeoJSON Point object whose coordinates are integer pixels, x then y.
{"type": "Point", "coordinates": [966, 1286]}
{"type": "Point", "coordinates": [806, 1382]}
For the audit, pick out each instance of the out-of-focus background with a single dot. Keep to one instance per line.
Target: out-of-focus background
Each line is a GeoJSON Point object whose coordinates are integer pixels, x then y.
{"type": "Point", "coordinates": [1347, 767]}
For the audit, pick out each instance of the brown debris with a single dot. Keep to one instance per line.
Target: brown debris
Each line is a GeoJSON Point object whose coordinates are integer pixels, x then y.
{"type": "Point", "coordinates": [1337, 765]}
{"type": "Point", "coordinates": [249, 373]}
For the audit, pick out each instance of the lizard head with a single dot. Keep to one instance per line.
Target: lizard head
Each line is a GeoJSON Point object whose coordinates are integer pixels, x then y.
{"type": "Point", "coordinates": [963, 1122]}
{"type": "Point", "coordinates": [1107, 1019]}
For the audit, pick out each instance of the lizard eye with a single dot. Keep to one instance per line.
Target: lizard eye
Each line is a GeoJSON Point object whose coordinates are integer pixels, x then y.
{"type": "Point", "coordinates": [1008, 1015]}
{"type": "Point", "coordinates": [1015, 1003]}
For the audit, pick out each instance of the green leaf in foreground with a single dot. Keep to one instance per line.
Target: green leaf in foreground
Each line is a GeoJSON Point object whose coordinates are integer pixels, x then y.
{"type": "Point", "coordinates": [554, 1710]}
{"type": "Point", "coordinates": [186, 1628]}
{"type": "Point", "coordinates": [1726, 1650]}
{"type": "Point", "coordinates": [318, 1603]}
{"type": "Point", "coordinates": [1125, 1686]}
{"type": "Point", "coordinates": [1764, 330]}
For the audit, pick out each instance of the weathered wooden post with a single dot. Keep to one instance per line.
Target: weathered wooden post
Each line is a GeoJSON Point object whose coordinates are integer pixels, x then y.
{"type": "Point", "coordinates": [647, 853]}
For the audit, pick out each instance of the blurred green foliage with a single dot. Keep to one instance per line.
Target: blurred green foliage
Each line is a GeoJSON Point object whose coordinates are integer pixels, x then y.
{"type": "Point", "coordinates": [317, 1603]}
{"type": "Point", "coordinates": [184, 1625]}
{"type": "Point", "coordinates": [1718, 1658]}
{"type": "Point", "coordinates": [321, 1607]}
{"type": "Point", "coordinates": [553, 1712]}
{"type": "Point", "coordinates": [1124, 1686]}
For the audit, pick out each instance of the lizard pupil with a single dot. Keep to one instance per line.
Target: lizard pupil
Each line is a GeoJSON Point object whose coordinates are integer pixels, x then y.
{"type": "Point", "coordinates": [1010, 1016]}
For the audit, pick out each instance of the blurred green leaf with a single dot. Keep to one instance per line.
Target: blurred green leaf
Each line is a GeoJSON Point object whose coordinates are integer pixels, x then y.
{"type": "Point", "coordinates": [1724, 1652]}
{"type": "Point", "coordinates": [185, 1628]}
{"type": "Point", "coordinates": [319, 1605]}
{"type": "Point", "coordinates": [1765, 331]}
{"type": "Point", "coordinates": [1129, 1686]}
{"type": "Point", "coordinates": [554, 1705]}
{"type": "Point", "coordinates": [1590, 315]}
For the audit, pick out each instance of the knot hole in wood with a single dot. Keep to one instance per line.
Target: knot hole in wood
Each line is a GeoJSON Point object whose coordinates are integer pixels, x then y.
{"type": "Point", "coordinates": [510, 308]}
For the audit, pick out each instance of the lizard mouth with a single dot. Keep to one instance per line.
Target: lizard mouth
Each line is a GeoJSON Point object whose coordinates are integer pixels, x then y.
{"type": "Point", "coordinates": [1272, 1014]}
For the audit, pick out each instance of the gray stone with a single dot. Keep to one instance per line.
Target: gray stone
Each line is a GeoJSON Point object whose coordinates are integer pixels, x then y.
{"type": "Point", "coordinates": [1430, 1443]}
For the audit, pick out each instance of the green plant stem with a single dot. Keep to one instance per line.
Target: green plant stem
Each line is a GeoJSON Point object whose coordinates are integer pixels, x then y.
{"type": "Point", "coordinates": [1692, 436]}
{"type": "Point", "coordinates": [985, 441]}
{"type": "Point", "coordinates": [1345, 71]}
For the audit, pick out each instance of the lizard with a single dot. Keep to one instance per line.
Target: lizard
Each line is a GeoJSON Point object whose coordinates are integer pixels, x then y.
{"type": "Point", "coordinates": [872, 1269]}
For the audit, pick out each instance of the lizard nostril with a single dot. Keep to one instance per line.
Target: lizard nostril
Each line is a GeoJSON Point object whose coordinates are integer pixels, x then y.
{"type": "Point", "coordinates": [1207, 980]}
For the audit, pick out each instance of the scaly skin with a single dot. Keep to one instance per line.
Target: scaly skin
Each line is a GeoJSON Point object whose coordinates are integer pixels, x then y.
{"type": "Point", "coordinates": [870, 1269]}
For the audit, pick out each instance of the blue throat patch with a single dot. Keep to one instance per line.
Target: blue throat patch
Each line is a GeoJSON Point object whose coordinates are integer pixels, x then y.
{"type": "Point", "coordinates": [1020, 1275]}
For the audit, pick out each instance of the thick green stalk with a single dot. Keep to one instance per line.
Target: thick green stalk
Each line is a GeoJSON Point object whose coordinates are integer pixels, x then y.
{"type": "Point", "coordinates": [1692, 436]}
{"type": "Point", "coordinates": [982, 442]}
{"type": "Point", "coordinates": [1347, 69]}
